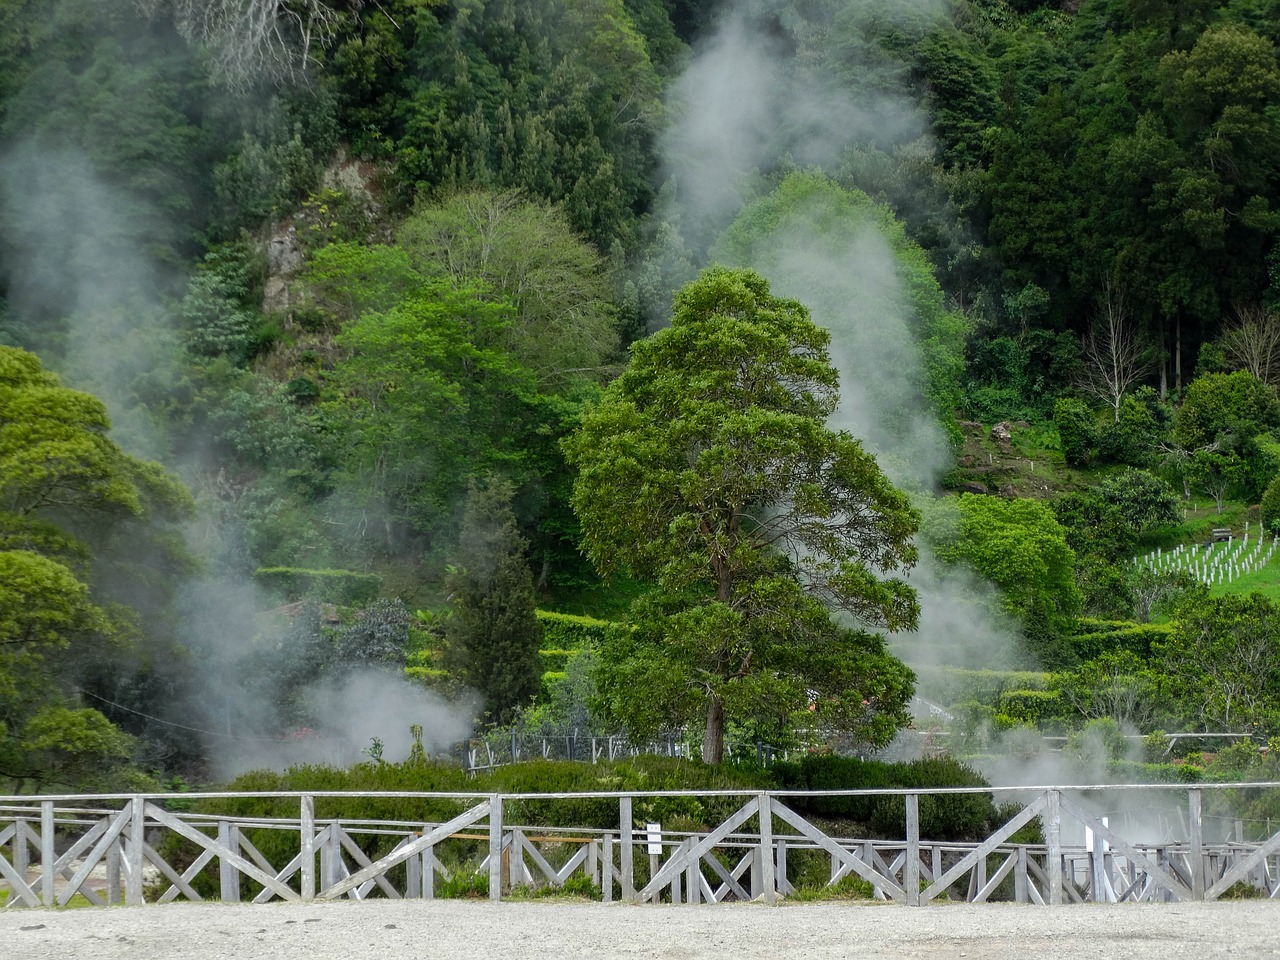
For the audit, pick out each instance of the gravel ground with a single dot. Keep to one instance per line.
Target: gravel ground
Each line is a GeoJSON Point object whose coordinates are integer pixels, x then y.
{"type": "Point", "coordinates": [559, 930]}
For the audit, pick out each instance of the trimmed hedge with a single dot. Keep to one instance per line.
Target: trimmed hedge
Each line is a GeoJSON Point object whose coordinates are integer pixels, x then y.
{"type": "Point", "coordinates": [967, 816]}
{"type": "Point", "coordinates": [952, 685]}
{"type": "Point", "coordinates": [1111, 636]}
{"type": "Point", "coordinates": [556, 661]}
{"type": "Point", "coordinates": [564, 631]}
{"type": "Point", "coordinates": [343, 587]}
{"type": "Point", "coordinates": [1040, 708]}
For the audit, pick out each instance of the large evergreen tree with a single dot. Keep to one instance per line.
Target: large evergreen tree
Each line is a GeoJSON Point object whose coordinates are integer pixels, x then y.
{"type": "Point", "coordinates": [493, 635]}
{"type": "Point", "coordinates": [710, 470]}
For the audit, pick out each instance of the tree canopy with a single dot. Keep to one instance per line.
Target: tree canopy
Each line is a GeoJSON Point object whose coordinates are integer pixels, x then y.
{"type": "Point", "coordinates": [62, 479]}
{"type": "Point", "coordinates": [709, 470]}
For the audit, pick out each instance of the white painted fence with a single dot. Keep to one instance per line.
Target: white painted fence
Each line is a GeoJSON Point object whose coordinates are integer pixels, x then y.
{"type": "Point", "coordinates": [105, 847]}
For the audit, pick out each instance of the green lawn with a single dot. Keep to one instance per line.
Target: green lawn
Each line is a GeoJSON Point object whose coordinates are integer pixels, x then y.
{"type": "Point", "coordinates": [1265, 581]}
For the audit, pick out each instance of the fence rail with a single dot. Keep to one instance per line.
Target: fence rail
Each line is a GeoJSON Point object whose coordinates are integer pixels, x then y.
{"type": "Point", "coordinates": [112, 849]}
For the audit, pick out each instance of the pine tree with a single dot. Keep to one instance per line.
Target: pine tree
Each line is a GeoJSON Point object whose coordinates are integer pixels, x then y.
{"type": "Point", "coordinates": [493, 636]}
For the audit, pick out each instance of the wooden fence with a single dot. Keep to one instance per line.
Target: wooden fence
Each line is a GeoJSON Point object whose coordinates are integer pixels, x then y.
{"type": "Point", "coordinates": [107, 849]}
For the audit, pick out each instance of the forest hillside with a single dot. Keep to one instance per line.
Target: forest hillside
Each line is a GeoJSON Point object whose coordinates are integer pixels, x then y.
{"type": "Point", "coordinates": [829, 375]}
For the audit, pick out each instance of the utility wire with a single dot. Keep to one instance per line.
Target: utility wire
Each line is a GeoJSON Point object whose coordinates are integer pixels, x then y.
{"type": "Point", "coordinates": [180, 726]}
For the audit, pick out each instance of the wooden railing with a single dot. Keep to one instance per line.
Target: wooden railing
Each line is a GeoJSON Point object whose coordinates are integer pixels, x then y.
{"type": "Point", "coordinates": [129, 848]}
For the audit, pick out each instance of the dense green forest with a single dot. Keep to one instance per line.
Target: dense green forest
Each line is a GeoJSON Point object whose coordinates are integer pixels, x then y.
{"type": "Point", "coordinates": [743, 370]}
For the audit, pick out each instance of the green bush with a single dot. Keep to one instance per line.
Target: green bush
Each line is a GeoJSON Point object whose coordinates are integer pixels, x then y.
{"type": "Point", "coordinates": [1270, 507]}
{"type": "Point", "coordinates": [1040, 708]}
{"type": "Point", "coordinates": [343, 587]}
{"type": "Point", "coordinates": [953, 685]}
{"type": "Point", "coordinates": [1115, 636]}
{"type": "Point", "coordinates": [946, 817]}
{"type": "Point", "coordinates": [556, 660]}
{"type": "Point", "coordinates": [1077, 428]}
{"type": "Point", "coordinates": [564, 631]}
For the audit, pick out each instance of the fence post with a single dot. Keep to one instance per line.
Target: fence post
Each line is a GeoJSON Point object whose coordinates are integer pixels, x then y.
{"type": "Point", "coordinates": [1196, 827]}
{"type": "Point", "coordinates": [626, 838]}
{"type": "Point", "coordinates": [112, 892]}
{"type": "Point", "coordinates": [606, 871]}
{"type": "Point", "coordinates": [495, 847]}
{"type": "Point", "coordinates": [228, 875]}
{"type": "Point", "coordinates": [48, 852]}
{"type": "Point", "coordinates": [768, 874]}
{"type": "Point", "coordinates": [911, 869]}
{"type": "Point", "coordinates": [19, 860]}
{"type": "Point", "coordinates": [307, 826]}
{"type": "Point", "coordinates": [1053, 840]}
{"type": "Point", "coordinates": [137, 840]}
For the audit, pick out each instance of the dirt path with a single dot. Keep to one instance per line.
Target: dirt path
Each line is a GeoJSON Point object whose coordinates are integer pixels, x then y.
{"type": "Point", "coordinates": [566, 930]}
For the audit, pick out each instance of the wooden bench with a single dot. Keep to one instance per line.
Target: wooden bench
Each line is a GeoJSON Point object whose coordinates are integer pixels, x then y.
{"type": "Point", "coordinates": [1221, 533]}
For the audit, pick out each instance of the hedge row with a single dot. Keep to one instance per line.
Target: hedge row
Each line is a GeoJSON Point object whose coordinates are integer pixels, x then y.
{"type": "Point", "coordinates": [564, 631]}
{"type": "Point", "coordinates": [556, 661]}
{"type": "Point", "coordinates": [952, 685]}
{"type": "Point", "coordinates": [960, 817]}
{"type": "Point", "coordinates": [1041, 708]}
{"type": "Point", "coordinates": [1102, 636]}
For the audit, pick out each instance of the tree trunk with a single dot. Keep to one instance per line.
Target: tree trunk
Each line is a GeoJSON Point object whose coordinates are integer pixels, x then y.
{"type": "Point", "coordinates": [713, 742]}
{"type": "Point", "coordinates": [1164, 364]}
{"type": "Point", "coordinates": [1177, 355]}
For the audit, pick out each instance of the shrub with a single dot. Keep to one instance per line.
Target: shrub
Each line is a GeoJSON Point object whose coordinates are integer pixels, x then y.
{"type": "Point", "coordinates": [1097, 637]}
{"type": "Point", "coordinates": [1040, 708]}
{"type": "Point", "coordinates": [556, 660]}
{"type": "Point", "coordinates": [947, 817]}
{"type": "Point", "coordinates": [1270, 507]}
{"type": "Point", "coordinates": [1077, 428]}
{"type": "Point", "coordinates": [564, 631]}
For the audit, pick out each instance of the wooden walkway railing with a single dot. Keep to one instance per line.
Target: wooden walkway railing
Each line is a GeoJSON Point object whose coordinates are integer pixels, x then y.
{"type": "Point", "coordinates": [108, 849]}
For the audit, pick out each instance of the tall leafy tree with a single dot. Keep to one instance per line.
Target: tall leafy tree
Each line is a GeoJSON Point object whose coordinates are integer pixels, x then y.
{"type": "Point", "coordinates": [66, 490]}
{"type": "Point", "coordinates": [493, 636]}
{"type": "Point", "coordinates": [709, 470]}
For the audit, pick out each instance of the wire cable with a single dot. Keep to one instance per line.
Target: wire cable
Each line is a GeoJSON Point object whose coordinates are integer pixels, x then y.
{"type": "Point", "coordinates": [182, 726]}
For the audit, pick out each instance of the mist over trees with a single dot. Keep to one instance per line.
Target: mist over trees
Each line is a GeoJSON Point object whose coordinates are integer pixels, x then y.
{"type": "Point", "coordinates": [409, 319]}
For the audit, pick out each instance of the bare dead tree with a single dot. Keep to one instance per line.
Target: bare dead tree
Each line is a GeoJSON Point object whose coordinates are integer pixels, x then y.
{"type": "Point", "coordinates": [1114, 360]}
{"type": "Point", "coordinates": [1252, 342]}
{"type": "Point", "coordinates": [248, 40]}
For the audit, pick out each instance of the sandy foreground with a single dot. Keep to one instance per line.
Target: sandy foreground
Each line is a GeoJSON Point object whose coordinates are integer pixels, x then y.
{"type": "Point", "coordinates": [565, 930]}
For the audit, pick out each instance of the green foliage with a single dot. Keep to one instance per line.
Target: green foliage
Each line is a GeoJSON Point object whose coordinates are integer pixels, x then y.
{"type": "Point", "coordinates": [950, 817]}
{"type": "Point", "coordinates": [849, 887]}
{"type": "Point", "coordinates": [1019, 546]}
{"type": "Point", "coordinates": [953, 685]}
{"type": "Point", "coordinates": [1142, 425]}
{"type": "Point", "coordinates": [1270, 506]}
{"type": "Point", "coordinates": [814, 239]}
{"type": "Point", "coordinates": [1220, 404]}
{"type": "Point", "coordinates": [566, 631]}
{"type": "Point", "coordinates": [553, 99]}
{"type": "Point", "coordinates": [1096, 637]}
{"type": "Point", "coordinates": [65, 488]}
{"type": "Point", "coordinates": [1047, 710]}
{"type": "Point", "coordinates": [1018, 377]}
{"type": "Point", "coordinates": [1143, 499]}
{"type": "Point", "coordinates": [344, 587]}
{"type": "Point", "coordinates": [1119, 687]}
{"type": "Point", "coordinates": [378, 634]}
{"type": "Point", "coordinates": [710, 447]}
{"type": "Point", "coordinates": [1094, 526]}
{"type": "Point", "coordinates": [493, 638]}
{"type": "Point", "coordinates": [1223, 655]}
{"type": "Point", "coordinates": [1078, 427]}
{"type": "Point", "coordinates": [563, 326]}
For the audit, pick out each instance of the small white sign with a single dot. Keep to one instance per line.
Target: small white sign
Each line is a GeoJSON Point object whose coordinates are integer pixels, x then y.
{"type": "Point", "coordinates": [653, 837]}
